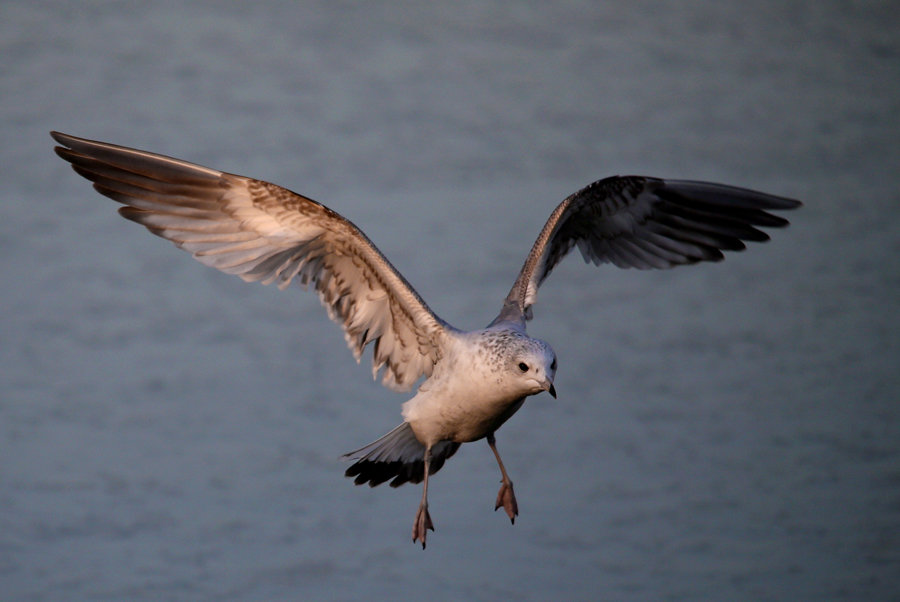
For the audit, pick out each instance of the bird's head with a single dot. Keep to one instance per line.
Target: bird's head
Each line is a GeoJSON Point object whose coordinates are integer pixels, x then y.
{"type": "Point", "coordinates": [534, 364]}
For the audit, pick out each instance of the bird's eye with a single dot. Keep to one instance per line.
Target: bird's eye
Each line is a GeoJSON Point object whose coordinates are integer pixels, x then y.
{"type": "Point", "coordinates": [553, 365]}
{"type": "Point", "coordinates": [523, 366]}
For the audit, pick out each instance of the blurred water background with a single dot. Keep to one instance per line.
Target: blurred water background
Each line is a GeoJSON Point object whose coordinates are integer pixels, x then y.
{"type": "Point", "coordinates": [723, 432]}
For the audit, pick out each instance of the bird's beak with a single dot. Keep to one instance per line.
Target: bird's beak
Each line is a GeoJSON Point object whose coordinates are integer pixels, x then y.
{"type": "Point", "coordinates": [552, 390]}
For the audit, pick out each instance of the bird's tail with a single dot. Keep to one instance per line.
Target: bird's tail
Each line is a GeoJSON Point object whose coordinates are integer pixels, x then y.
{"type": "Point", "coordinates": [398, 456]}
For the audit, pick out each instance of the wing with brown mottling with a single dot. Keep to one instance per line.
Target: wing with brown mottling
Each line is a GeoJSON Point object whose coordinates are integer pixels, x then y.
{"type": "Point", "coordinates": [262, 232]}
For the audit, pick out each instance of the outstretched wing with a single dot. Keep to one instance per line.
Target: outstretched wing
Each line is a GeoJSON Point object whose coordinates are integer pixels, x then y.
{"type": "Point", "coordinates": [265, 233]}
{"type": "Point", "coordinates": [645, 223]}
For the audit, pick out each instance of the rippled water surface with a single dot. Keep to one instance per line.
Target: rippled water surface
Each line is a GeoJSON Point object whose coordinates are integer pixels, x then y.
{"type": "Point", "coordinates": [723, 432]}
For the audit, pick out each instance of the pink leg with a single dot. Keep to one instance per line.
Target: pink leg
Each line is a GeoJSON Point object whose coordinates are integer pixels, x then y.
{"type": "Point", "coordinates": [423, 519]}
{"type": "Point", "coordinates": [506, 497]}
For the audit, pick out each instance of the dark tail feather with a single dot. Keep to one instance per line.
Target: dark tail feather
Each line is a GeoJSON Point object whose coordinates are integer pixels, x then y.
{"type": "Point", "coordinates": [398, 456]}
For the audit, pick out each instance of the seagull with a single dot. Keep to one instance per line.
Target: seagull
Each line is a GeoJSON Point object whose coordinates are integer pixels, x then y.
{"type": "Point", "coordinates": [471, 382]}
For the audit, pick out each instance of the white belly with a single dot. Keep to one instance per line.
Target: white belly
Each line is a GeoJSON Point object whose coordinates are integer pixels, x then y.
{"type": "Point", "coordinates": [459, 417]}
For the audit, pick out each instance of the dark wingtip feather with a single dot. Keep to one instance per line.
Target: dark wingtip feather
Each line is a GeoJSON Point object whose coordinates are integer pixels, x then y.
{"type": "Point", "coordinates": [60, 137]}
{"type": "Point", "coordinates": [63, 152]}
{"type": "Point", "coordinates": [725, 195]}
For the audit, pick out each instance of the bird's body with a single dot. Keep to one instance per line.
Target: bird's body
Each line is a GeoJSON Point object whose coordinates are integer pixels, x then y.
{"type": "Point", "coordinates": [471, 382]}
{"type": "Point", "coordinates": [447, 407]}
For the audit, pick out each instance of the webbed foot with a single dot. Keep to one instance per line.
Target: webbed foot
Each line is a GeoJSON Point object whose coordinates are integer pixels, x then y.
{"type": "Point", "coordinates": [421, 525]}
{"type": "Point", "coordinates": [506, 498]}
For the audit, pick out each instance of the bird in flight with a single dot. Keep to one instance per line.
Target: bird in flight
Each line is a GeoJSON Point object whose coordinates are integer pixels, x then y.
{"type": "Point", "coordinates": [471, 381]}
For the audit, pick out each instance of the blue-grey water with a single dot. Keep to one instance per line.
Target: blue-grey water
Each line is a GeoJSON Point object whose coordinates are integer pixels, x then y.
{"type": "Point", "coordinates": [723, 432]}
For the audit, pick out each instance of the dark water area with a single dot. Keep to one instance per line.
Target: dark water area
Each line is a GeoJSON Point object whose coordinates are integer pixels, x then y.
{"type": "Point", "coordinates": [725, 431]}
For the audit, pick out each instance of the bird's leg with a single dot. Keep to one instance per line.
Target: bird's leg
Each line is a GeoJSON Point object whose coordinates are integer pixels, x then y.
{"type": "Point", "coordinates": [506, 497]}
{"type": "Point", "coordinates": [423, 519]}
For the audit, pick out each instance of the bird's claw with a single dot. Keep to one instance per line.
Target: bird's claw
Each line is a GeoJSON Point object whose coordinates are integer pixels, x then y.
{"type": "Point", "coordinates": [421, 525]}
{"type": "Point", "coordinates": [507, 499]}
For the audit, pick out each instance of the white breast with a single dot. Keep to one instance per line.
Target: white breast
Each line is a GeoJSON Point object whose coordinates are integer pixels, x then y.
{"type": "Point", "coordinates": [468, 396]}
